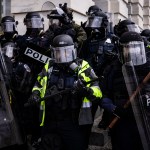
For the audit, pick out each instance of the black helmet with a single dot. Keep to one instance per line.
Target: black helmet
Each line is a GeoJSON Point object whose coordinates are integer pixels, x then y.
{"type": "Point", "coordinates": [130, 36]}
{"type": "Point", "coordinates": [7, 19]}
{"type": "Point", "coordinates": [146, 36]}
{"type": "Point", "coordinates": [125, 26]}
{"type": "Point", "coordinates": [63, 50]}
{"type": "Point", "coordinates": [33, 20]}
{"type": "Point", "coordinates": [93, 10]}
{"type": "Point", "coordinates": [97, 24]}
{"type": "Point", "coordinates": [132, 48]}
{"type": "Point", "coordinates": [58, 13]}
{"type": "Point", "coordinates": [146, 33]}
{"type": "Point", "coordinates": [8, 24]}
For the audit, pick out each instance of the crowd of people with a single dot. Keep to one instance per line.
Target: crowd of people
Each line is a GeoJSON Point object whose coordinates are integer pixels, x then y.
{"type": "Point", "coordinates": [56, 80]}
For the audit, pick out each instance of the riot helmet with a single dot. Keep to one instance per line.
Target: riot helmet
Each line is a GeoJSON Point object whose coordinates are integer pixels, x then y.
{"type": "Point", "coordinates": [125, 26]}
{"type": "Point", "coordinates": [132, 49]}
{"type": "Point", "coordinates": [146, 33]}
{"type": "Point", "coordinates": [33, 20]}
{"type": "Point", "coordinates": [58, 16]}
{"type": "Point", "coordinates": [9, 49]}
{"type": "Point", "coordinates": [97, 21]}
{"type": "Point", "coordinates": [98, 25]}
{"type": "Point", "coordinates": [93, 10]}
{"type": "Point", "coordinates": [8, 24]}
{"type": "Point", "coordinates": [63, 49]}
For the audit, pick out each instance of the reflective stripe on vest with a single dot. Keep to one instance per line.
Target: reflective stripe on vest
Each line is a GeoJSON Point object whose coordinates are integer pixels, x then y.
{"type": "Point", "coordinates": [96, 91]}
{"type": "Point", "coordinates": [42, 90]}
{"type": "Point", "coordinates": [84, 66]}
{"type": "Point", "coordinates": [86, 103]}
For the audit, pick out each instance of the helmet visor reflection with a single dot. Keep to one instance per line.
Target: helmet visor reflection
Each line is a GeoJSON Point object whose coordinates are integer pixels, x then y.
{"type": "Point", "coordinates": [54, 21]}
{"type": "Point", "coordinates": [133, 27]}
{"type": "Point", "coordinates": [134, 51]}
{"type": "Point", "coordinates": [34, 23]}
{"type": "Point", "coordinates": [8, 26]}
{"type": "Point", "coordinates": [94, 22]}
{"type": "Point", "coordinates": [64, 54]}
{"type": "Point", "coordinates": [8, 51]}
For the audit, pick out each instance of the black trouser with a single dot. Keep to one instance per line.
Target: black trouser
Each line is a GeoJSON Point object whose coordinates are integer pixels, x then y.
{"type": "Point", "coordinates": [65, 130]}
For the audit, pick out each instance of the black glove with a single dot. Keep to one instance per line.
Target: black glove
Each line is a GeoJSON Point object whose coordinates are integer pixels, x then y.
{"type": "Point", "coordinates": [79, 86]}
{"type": "Point", "coordinates": [34, 98]}
{"type": "Point", "coordinates": [120, 112]}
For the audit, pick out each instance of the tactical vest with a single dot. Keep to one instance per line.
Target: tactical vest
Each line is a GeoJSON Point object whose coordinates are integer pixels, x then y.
{"type": "Point", "coordinates": [85, 73]}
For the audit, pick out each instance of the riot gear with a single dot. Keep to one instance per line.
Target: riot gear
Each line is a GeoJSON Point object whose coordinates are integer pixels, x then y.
{"type": "Point", "coordinates": [9, 49]}
{"type": "Point", "coordinates": [61, 23]}
{"type": "Point", "coordinates": [94, 22]}
{"type": "Point", "coordinates": [146, 33]}
{"type": "Point", "coordinates": [125, 26]}
{"type": "Point", "coordinates": [8, 24]}
{"type": "Point", "coordinates": [97, 22]}
{"type": "Point", "coordinates": [93, 10]}
{"type": "Point", "coordinates": [132, 48]}
{"type": "Point", "coordinates": [63, 49]}
{"type": "Point", "coordinates": [66, 106]}
{"type": "Point", "coordinates": [34, 24]}
{"type": "Point", "coordinates": [58, 13]}
{"type": "Point", "coordinates": [33, 20]}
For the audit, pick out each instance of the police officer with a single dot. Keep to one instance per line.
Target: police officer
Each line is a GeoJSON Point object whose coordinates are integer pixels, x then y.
{"type": "Point", "coordinates": [92, 10]}
{"type": "Point", "coordinates": [125, 134]}
{"type": "Point", "coordinates": [125, 26]}
{"type": "Point", "coordinates": [9, 29]}
{"type": "Point", "coordinates": [26, 71]}
{"type": "Point", "coordinates": [98, 42]}
{"type": "Point", "coordinates": [61, 112]}
{"type": "Point", "coordinates": [9, 48]}
{"type": "Point", "coordinates": [122, 27]}
{"type": "Point", "coordinates": [98, 49]}
{"type": "Point", "coordinates": [8, 38]}
{"type": "Point", "coordinates": [62, 23]}
{"type": "Point", "coordinates": [34, 32]}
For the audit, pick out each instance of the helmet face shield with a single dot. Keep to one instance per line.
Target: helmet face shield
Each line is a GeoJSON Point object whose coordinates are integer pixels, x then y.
{"type": "Point", "coordinates": [133, 51]}
{"type": "Point", "coordinates": [54, 21]}
{"type": "Point", "coordinates": [64, 54]}
{"type": "Point", "coordinates": [8, 27]}
{"type": "Point", "coordinates": [94, 22]}
{"type": "Point", "coordinates": [34, 23]}
{"type": "Point", "coordinates": [8, 51]}
{"type": "Point", "coordinates": [133, 27]}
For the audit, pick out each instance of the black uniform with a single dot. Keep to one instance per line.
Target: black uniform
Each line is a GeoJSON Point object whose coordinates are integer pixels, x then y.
{"type": "Point", "coordinates": [124, 134]}
{"type": "Point", "coordinates": [99, 49]}
{"type": "Point", "coordinates": [61, 112]}
{"type": "Point", "coordinates": [26, 70]}
{"type": "Point", "coordinates": [64, 25]}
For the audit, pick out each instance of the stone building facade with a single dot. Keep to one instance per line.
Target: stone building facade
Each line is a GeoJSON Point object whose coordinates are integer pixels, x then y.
{"type": "Point", "coordinates": [136, 10]}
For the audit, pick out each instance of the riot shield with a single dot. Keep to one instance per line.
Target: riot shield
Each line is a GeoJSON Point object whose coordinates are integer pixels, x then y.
{"type": "Point", "coordinates": [139, 104]}
{"type": "Point", "coordinates": [9, 130]}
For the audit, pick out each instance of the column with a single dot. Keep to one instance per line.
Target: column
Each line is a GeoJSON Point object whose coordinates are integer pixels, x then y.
{"type": "Point", "coordinates": [146, 14]}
